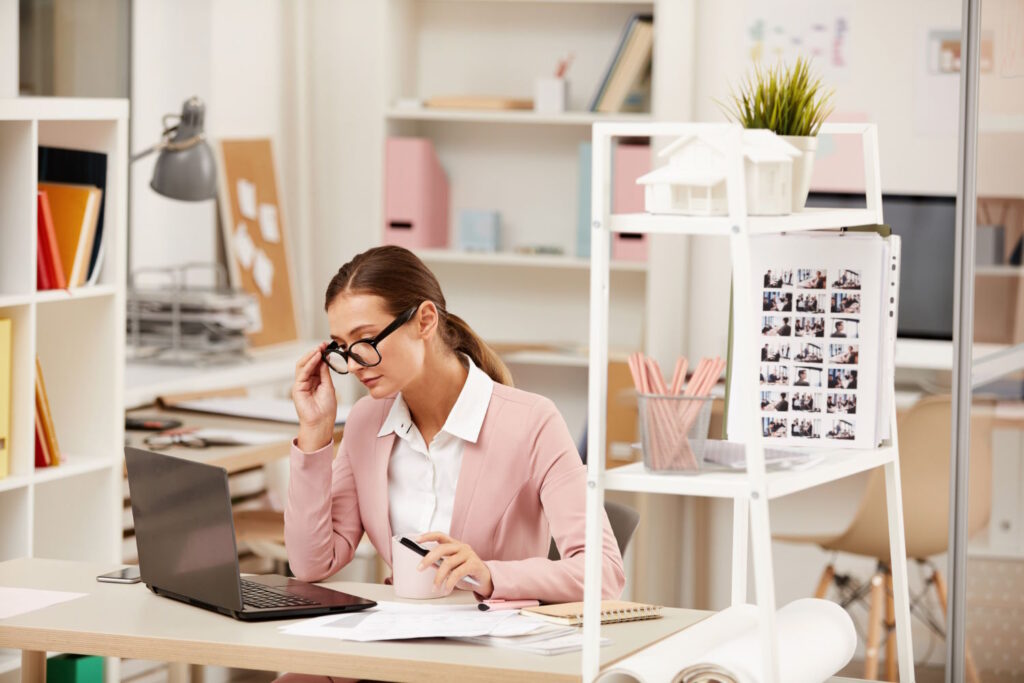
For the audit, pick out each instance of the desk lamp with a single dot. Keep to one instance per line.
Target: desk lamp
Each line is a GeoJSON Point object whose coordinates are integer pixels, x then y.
{"type": "Point", "coordinates": [185, 168]}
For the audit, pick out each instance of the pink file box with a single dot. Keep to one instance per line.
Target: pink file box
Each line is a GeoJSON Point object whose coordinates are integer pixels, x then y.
{"type": "Point", "coordinates": [415, 195]}
{"type": "Point", "coordinates": [629, 163]}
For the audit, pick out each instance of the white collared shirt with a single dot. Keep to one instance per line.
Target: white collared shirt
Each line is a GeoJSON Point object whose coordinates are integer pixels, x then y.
{"type": "Point", "coordinates": [422, 478]}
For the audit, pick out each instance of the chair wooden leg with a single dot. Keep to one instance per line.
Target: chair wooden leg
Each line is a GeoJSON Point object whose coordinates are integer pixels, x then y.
{"type": "Point", "coordinates": [825, 581]}
{"type": "Point", "coordinates": [874, 627]}
{"type": "Point", "coordinates": [891, 663]}
{"type": "Point", "coordinates": [940, 591]}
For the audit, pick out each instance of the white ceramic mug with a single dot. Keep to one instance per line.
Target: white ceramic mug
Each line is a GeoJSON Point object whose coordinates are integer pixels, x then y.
{"type": "Point", "coordinates": [409, 581]}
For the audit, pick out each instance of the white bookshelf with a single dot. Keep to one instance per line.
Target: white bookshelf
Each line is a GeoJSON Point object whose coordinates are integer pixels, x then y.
{"type": "Point", "coordinates": [71, 511]}
{"type": "Point", "coordinates": [526, 164]}
{"type": "Point", "coordinates": [750, 490]}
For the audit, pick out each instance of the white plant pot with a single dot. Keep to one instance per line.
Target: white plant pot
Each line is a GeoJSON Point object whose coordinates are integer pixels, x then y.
{"type": "Point", "coordinates": [803, 166]}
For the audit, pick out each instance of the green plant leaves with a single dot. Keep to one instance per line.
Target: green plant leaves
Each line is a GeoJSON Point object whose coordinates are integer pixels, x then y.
{"type": "Point", "coordinates": [785, 100]}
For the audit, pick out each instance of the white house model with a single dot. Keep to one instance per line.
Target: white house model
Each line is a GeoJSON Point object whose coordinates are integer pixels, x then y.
{"type": "Point", "coordinates": [693, 182]}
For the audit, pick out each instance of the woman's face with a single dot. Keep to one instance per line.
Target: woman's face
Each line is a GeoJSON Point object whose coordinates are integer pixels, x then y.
{"type": "Point", "coordinates": [353, 317]}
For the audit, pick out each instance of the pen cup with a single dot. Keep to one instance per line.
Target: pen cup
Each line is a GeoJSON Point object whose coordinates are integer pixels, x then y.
{"type": "Point", "coordinates": [550, 95]}
{"type": "Point", "coordinates": [674, 431]}
{"type": "Point", "coordinates": [409, 581]}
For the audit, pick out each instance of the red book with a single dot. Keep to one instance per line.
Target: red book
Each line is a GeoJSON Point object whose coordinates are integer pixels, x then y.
{"type": "Point", "coordinates": [42, 457]}
{"type": "Point", "coordinates": [49, 252]}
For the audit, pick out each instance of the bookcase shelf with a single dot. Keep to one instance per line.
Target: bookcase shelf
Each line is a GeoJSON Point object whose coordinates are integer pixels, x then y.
{"type": "Point", "coordinates": [73, 465]}
{"type": "Point", "coordinates": [526, 165]}
{"type": "Point", "coordinates": [71, 511]}
{"type": "Point", "coordinates": [526, 117]}
{"type": "Point", "coordinates": [87, 292]}
{"type": "Point", "coordinates": [751, 489]}
{"type": "Point", "coordinates": [522, 260]}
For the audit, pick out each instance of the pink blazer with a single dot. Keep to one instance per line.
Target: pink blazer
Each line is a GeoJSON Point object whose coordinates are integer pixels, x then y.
{"type": "Point", "coordinates": [521, 484]}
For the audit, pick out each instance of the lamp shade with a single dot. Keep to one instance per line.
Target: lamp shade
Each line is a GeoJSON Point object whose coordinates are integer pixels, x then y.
{"type": "Point", "coordinates": [185, 168]}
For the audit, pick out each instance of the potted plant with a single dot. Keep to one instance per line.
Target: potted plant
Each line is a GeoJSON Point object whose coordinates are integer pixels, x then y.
{"type": "Point", "coordinates": [792, 103]}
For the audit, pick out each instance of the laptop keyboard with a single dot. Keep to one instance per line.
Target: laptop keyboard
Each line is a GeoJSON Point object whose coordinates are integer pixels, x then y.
{"type": "Point", "coordinates": [258, 596]}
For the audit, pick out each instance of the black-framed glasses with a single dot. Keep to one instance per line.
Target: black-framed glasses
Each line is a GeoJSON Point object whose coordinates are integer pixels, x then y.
{"type": "Point", "coordinates": [363, 351]}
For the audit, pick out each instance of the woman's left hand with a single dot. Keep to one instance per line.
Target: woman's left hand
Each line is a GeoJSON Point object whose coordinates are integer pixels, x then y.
{"type": "Point", "coordinates": [458, 560]}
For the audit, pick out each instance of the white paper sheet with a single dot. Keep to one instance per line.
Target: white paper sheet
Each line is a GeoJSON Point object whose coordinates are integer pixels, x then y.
{"type": "Point", "coordinates": [245, 250]}
{"type": "Point", "coordinates": [241, 437]}
{"type": "Point", "coordinates": [263, 273]}
{"type": "Point", "coordinates": [272, 409]}
{"type": "Point", "coordinates": [268, 223]}
{"type": "Point", "coordinates": [246, 198]}
{"type": "Point", "coordinates": [15, 601]}
{"type": "Point", "coordinates": [401, 623]}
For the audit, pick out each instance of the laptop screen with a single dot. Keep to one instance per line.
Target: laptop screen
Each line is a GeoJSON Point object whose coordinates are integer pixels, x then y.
{"type": "Point", "coordinates": [183, 527]}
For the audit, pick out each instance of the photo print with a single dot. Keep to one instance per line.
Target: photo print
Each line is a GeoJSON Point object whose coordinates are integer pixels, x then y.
{"type": "Point", "coordinates": [840, 428]}
{"type": "Point", "coordinates": [845, 404]}
{"type": "Point", "coordinates": [772, 278]}
{"type": "Point", "coordinates": [805, 402]}
{"type": "Point", "coordinates": [847, 279]}
{"type": "Point", "coordinates": [773, 352]}
{"type": "Point", "coordinates": [812, 326]}
{"type": "Point", "coordinates": [777, 326]}
{"type": "Point", "coordinates": [809, 352]}
{"type": "Point", "coordinates": [804, 376]}
{"type": "Point", "coordinates": [845, 302]}
{"type": "Point", "coordinates": [845, 328]}
{"type": "Point", "coordinates": [774, 401]}
{"type": "Point", "coordinates": [843, 354]}
{"type": "Point", "coordinates": [810, 303]}
{"type": "Point", "coordinates": [773, 427]}
{"type": "Point", "coordinates": [774, 374]}
{"type": "Point", "coordinates": [811, 278]}
{"type": "Point", "coordinates": [839, 378]}
{"type": "Point", "coordinates": [777, 301]}
{"type": "Point", "coordinates": [806, 428]}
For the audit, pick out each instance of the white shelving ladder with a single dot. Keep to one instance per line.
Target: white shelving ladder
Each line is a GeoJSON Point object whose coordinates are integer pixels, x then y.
{"type": "Point", "coordinates": [752, 491]}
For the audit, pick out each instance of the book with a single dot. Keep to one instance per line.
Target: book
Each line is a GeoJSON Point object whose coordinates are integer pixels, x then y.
{"type": "Point", "coordinates": [60, 165]}
{"type": "Point", "coordinates": [825, 331]}
{"type": "Point", "coordinates": [42, 452]}
{"type": "Point", "coordinates": [75, 213]}
{"type": "Point", "coordinates": [5, 396]}
{"type": "Point", "coordinates": [629, 68]}
{"type": "Point", "coordinates": [45, 417]}
{"type": "Point", "coordinates": [485, 102]}
{"type": "Point", "coordinates": [50, 269]}
{"type": "Point", "coordinates": [612, 612]}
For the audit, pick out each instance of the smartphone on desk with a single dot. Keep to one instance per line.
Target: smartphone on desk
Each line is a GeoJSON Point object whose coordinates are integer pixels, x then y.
{"type": "Point", "coordinates": [127, 575]}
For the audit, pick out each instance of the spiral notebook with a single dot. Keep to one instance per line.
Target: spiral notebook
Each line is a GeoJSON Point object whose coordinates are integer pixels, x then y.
{"type": "Point", "coordinates": [612, 611]}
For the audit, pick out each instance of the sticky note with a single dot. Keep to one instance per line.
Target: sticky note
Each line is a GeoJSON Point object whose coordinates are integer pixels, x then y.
{"type": "Point", "coordinates": [246, 198]}
{"type": "Point", "coordinates": [268, 223]}
{"type": "Point", "coordinates": [263, 273]}
{"type": "Point", "coordinates": [245, 250]}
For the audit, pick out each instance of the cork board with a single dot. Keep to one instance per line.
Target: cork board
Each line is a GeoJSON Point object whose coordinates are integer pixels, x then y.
{"type": "Point", "coordinates": [255, 236]}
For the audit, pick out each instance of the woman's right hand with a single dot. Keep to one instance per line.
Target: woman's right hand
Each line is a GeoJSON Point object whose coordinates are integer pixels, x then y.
{"type": "Point", "coordinates": [315, 401]}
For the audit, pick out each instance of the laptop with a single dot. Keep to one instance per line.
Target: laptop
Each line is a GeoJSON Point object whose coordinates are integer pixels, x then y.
{"type": "Point", "coordinates": [186, 540]}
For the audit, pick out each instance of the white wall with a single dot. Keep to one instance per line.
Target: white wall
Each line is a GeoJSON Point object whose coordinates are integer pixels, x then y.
{"type": "Point", "coordinates": [236, 55]}
{"type": "Point", "coordinates": [347, 80]}
{"type": "Point", "coordinates": [8, 48]}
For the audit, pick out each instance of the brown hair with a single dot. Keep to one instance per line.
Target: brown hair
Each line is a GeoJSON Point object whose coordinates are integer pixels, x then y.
{"type": "Point", "coordinates": [400, 278]}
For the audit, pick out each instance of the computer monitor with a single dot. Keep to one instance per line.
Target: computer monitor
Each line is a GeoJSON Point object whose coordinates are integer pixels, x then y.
{"type": "Point", "coordinates": [927, 229]}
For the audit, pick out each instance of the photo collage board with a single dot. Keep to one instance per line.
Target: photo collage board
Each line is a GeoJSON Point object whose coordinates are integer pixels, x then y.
{"type": "Point", "coordinates": [811, 339]}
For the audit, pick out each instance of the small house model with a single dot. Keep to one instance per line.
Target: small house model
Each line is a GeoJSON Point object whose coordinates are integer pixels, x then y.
{"type": "Point", "coordinates": [693, 182]}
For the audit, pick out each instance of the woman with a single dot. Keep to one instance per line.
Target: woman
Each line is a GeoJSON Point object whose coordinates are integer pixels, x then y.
{"type": "Point", "coordinates": [443, 449]}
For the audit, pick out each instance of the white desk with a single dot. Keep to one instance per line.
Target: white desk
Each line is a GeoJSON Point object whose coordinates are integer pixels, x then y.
{"type": "Point", "coordinates": [129, 621]}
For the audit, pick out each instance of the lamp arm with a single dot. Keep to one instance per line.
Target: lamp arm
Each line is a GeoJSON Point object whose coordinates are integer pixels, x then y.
{"type": "Point", "coordinates": [173, 145]}
{"type": "Point", "coordinates": [146, 152]}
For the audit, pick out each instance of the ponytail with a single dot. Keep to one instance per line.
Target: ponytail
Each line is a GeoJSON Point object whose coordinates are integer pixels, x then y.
{"type": "Point", "coordinates": [400, 278]}
{"type": "Point", "coordinates": [465, 340]}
